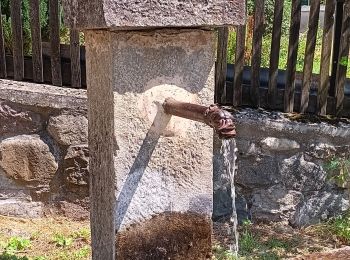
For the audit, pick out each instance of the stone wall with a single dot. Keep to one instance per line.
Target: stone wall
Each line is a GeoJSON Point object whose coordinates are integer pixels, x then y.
{"type": "Point", "coordinates": [281, 169]}
{"type": "Point", "coordinates": [281, 175]}
{"type": "Point", "coordinates": [43, 150]}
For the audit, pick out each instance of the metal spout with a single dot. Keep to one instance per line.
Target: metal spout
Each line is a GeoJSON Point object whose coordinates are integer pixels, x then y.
{"type": "Point", "coordinates": [214, 116]}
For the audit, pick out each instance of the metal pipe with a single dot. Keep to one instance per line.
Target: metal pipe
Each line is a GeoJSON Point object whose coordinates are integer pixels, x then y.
{"type": "Point", "coordinates": [214, 116]}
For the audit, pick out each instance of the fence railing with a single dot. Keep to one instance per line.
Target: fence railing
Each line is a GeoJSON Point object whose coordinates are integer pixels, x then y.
{"type": "Point", "coordinates": [46, 63]}
{"type": "Point", "coordinates": [322, 93]}
{"type": "Point", "coordinates": [238, 84]}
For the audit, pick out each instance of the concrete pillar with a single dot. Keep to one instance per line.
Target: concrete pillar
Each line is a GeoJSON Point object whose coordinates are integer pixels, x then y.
{"type": "Point", "coordinates": [162, 178]}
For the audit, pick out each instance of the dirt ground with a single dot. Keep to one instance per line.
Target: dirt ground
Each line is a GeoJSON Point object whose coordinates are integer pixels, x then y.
{"type": "Point", "coordinates": [63, 239]}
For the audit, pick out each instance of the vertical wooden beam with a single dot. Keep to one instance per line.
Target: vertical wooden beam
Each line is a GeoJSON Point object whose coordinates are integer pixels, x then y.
{"type": "Point", "coordinates": [256, 50]}
{"type": "Point", "coordinates": [326, 57]}
{"type": "Point", "coordinates": [17, 38]}
{"type": "Point", "coordinates": [343, 59]}
{"type": "Point", "coordinates": [275, 52]}
{"type": "Point", "coordinates": [37, 56]}
{"type": "Point", "coordinates": [309, 54]}
{"type": "Point", "coordinates": [337, 32]}
{"type": "Point", "coordinates": [292, 56]}
{"type": "Point", "coordinates": [3, 73]}
{"type": "Point", "coordinates": [99, 65]}
{"type": "Point", "coordinates": [75, 58]}
{"type": "Point", "coordinates": [55, 43]}
{"type": "Point", "coordinates": [221, 66]}
{"type": "Point", "coordinates": [239, 65]}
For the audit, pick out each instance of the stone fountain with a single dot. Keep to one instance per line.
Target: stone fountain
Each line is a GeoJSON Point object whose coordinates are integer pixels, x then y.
{"type": "Point", "coordinates": [151, 173]}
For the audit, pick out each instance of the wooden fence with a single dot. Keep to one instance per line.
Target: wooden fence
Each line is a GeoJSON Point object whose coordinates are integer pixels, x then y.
{"type": "Point", "coordinates": [62, 65]}
{"type": "Point", "coordinates": [326, 96]}
{"type": "Point", "coordinates": [47, 62]}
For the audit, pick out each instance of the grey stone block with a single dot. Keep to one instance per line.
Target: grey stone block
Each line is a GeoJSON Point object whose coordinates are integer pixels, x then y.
{"type": "Point", "coordinates": [131, 14]}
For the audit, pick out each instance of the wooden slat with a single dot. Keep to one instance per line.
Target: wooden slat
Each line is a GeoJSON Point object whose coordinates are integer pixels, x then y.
{"type": "Point", "coordinates": [309, 54]}
{"type": "Point", "coordinates": [221, 65]}
{"type": "Point", "coordinates": [292, 56]}
{"type": "Point", "coordinates": [55, 43]}
{"type": "Point", "coordinates": [343, 59]}
{"type": "Point", "coordinates": [326, 57]}
{"type": "Point", "coordinates": [239, 65]}
{"type": "Point", "coordinates": [256, 50]}
{"type": "Point", "coordinates": [17, 39]}
{"type": "Point", "coordinates": [274, 54]}
{"type": "Point", "coordinates": [38, 75]}
{"type": "Point", "coordinates": [75, 58]}
{"type": "Point", "coordinates": [3, 73]}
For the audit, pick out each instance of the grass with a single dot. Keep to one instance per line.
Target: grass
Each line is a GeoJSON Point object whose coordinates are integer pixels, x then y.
{"type": "Point", "coordinates": [44, 239]}
{"type": "Point", "coordinates": [64, 239]}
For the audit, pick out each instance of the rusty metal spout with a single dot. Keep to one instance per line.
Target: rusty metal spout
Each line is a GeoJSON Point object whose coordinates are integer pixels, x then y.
{"type": "Point", "coordinates": [214, 116]}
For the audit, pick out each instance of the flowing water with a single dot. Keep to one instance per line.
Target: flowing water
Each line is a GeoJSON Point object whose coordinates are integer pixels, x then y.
{"type": "Point", "coordinates": [229, 153]}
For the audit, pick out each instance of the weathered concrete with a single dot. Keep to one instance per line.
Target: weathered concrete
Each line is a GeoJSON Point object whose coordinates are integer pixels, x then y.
{"type": "Point", "coordinates": [163, 164]}
{"type": "Point", "coordinates": [133, 14]}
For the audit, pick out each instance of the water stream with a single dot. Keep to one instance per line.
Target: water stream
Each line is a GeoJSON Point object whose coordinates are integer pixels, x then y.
{"type": "Point", "coordinates": [229, 153]}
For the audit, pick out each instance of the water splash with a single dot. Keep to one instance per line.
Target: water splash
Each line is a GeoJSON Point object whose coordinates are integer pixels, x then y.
{"type": "Point", "coordinates": [229, 151]}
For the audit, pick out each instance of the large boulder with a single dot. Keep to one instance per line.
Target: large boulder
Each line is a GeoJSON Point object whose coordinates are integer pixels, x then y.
{"type": "Point", "coordinates": [15, 121]}
{"type": "Point", "coordinates": [27, 158]}
{"type": "Point", "coordinates": [68, 129]}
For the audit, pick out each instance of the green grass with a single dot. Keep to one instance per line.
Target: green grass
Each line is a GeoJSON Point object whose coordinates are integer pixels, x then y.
{"type": "Point", "coordinates": [340, 227]}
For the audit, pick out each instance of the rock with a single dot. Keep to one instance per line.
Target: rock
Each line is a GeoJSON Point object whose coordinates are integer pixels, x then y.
{"type": "Point", "coordinates": [319, 206]}
{"type": "Point", "coordinates": [27, 158]}
{"type": "Point", "coordinates": [137, 14]}
{"type": "Point", "coordinates": [68, 129]}
{"type": "Point", "coordinates": [76, 165]}
{"type": "Point", "coordinates": [18, 208]}
{"type": "Point", "coordinates": [274, 204]}
{"type": "Point", "coordinates": [254, 174]}
{"type": "Point", "coordinates": [321, 150]}
{"type": "Point", "coordinates": [279, 144]}
{"type": "Point", "coordinates": [18, 121]}
{"type": "Point", "coordinates": [301, 175]}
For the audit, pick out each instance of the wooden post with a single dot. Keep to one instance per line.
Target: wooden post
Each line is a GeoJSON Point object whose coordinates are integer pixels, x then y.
{"type": "Point", "coordinates": [292, 56]}
{"type": "Point", "coordinates": [256, 51]}
{"type": "Point", "coordinates": [221, 66]}
{"type": "Point", "coordinates": [101, 136]}
{"type": "Point", "coordinates": [309, 54]}
{"type": "Point", "coordinates": [3, 73]}
{"type": "Point", "coordinates": [325, 57]}
{"type": "Point", "coordinates": [16, 25]}
{"type": "Point", "coordinates": [275, 52]}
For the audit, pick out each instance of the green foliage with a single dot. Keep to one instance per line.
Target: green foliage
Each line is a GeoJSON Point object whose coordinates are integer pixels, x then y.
{"type": "Point", "coordinates": [7, 256]}
{"type": "Point", "coordinates": [62, 241]}
{"type": "Point", "coordinates": [82, 253]}
{"type": "Point", "coordinates": [269, 14]}
{"type": "Point", "coordinates": [338, 169]}
{"type": "Point", "coordinates": [13, 246]}
{"type": "Point", "coordinates": [27, 36]}
{"type": "Point", "coordinates": [43, 6]}
{"type": "Point", "coordinates": [83, 234]}
{"type": "Point", "coordinates": [340, 226]}
{"type": "Point", "coordinates": [16, 244]}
